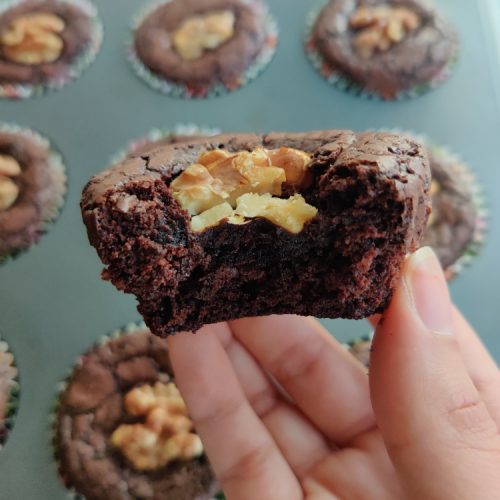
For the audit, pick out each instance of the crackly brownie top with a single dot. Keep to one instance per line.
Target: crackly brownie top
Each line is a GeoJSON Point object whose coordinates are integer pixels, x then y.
{"type": "Point", "coordinates": [453, 221]}
{"type": "Point", "coordinates": [396, 156]}
{"type": "Point", "coordinates": [39, 39]}
{"type": "Point", "coordinates": [390, 45]}
{"type": "Point", "coordinates": [145, 147]}
{"type": "Point", "coordinates": [123, 431]}
{"type": "Point", "coordinates": [199, 43]}
{"type": "Point", "coordinates": [30, 189]}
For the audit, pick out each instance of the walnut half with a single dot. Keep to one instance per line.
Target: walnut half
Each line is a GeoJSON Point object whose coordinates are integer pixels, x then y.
{"type": "Point", "coordinates": [166, 434]}
{"type": "Point", "coordinates": [198, 34]}
{"type": "Point", "coordinates": [381, 27]}
{"type": "Point", "coordinates": [33, 39]}
{"type": "Point", "coordinates": [9, 190]}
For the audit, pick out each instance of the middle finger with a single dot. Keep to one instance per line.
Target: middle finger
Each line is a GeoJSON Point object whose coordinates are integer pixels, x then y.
{"type": "Point", "coordinates": [324, 380]}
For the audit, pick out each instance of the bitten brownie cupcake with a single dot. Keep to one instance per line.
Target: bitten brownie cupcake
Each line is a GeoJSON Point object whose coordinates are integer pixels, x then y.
{"type": "Point", "coordinates": [122, 430]}
{"type": "Point", "coordinates": [242, 225]}
{"type": "Point", "coordinates": [198, 49]}
{"type": "Point", "coordinates": [457, 226]}
{"type": "Point", "coordinates": [45, 43]}
{"type": "Point", "coordinates": [32, 188]}
{"type": "Point", "coordinates": [161, 137]}
{"type": "Point", "coordinates": [9, 391]}
{"type": "Point", "coordinates": [386, 48]}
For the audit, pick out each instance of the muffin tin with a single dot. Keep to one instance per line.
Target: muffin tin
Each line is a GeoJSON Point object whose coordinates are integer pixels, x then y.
{"type": "Point", "coordinates": [53, 305]}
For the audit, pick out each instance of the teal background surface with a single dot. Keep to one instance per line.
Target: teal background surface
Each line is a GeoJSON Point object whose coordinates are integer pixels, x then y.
{"type": "Point", "coordinates": [53, 304]}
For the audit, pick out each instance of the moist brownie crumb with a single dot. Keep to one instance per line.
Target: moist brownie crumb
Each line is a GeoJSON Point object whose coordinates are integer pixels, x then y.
{"type": "Point", "coordinates": [370, 192]}
{"type": "Point", "coordinates": [111, 424]}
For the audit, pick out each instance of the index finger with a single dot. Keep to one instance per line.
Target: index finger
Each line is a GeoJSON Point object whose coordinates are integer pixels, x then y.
{"type": "Point", "coordinates": [242, 453]}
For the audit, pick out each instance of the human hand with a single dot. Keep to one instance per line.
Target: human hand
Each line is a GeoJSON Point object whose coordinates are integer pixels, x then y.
{"type": "Point", "coordinates": [429, 431]}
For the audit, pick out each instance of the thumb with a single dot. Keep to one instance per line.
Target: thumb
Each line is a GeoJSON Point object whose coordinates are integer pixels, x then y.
{"type": "Point", "coordinates": [439, 434]}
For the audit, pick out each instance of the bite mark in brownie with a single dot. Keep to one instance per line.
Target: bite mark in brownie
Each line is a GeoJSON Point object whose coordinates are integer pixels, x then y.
{"type": "Point", "coordinates": [371, 193]}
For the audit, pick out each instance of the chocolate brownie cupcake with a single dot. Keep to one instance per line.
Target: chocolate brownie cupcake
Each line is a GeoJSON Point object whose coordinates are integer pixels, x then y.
{"type": "Point", "coordinates": [122, 430]}
{"type": "Point", "coordinates": [361, 350]}
{"type": "Point", "coordinates": [161, 137]}
{"type": "Point", "coordinates": [197, 49]}
{"type": "Point", "coordinates": [244, 225]}
{"type": "Point", "coordinates": [9, 391]}
{"type": "Point", "coordinates": [385, 48]}
{"type": "Point", "coordinates": [45, 43]}
{"type": "Point", "coordinates": [32, 188]}
{"type": "Point", "coordinates": [457, 225]}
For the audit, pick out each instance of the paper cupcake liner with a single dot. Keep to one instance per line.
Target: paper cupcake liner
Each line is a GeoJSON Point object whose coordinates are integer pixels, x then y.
{"type": "Point", "coordinates": [184, 91]}
{"type": "Point", "coordinates": [58, 171]}
{"type": "Point", "coordinates": [8, 366]}
{"type": "Point", "coordinates": [158, 134]}
{"type": "Point", "coordinates": [341, 81]}
{"type": "Point", "coordinates": [464, 175]}
{"type": "Point", "coordinates": [129, 329]}
{"type": "Point", "coordinates": [351, 346]}
{"type": "Point", "coordinates": [75, 68]}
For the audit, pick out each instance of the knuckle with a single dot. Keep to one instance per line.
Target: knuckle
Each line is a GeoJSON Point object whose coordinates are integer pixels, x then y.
{"type": "Point", "coordinates": [297, 361]}
{"type": "Point", "coordinates": [264, 401]}
{"type": "Point", "coordinates": [251, 464]}
{"type": "Point", "coordinates": [469, 416]}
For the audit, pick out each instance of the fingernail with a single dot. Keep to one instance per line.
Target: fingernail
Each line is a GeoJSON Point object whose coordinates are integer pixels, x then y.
{"type": "Point", "coordinates": [429, 291]}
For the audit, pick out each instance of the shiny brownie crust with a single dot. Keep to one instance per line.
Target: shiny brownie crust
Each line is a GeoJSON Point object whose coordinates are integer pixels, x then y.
{"type": "Point", "coordinates": [371, 191]}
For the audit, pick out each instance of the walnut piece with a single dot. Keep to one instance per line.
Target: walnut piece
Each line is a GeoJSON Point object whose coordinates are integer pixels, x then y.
{"type": "Point", "coordinates": [290, 214]}
{"type": "Point", "coordinates": [211, 189]}
{"type": "Point", "coordinates": [198, 34]}
{"type": "Point", "coordinates": [166, 434]}
{"type": "Point", "coordinates": [9, 190]}
{"type": "Point", "coordinates": [33, 39]}
{"type": "Point", "coordinates": [381, 27]}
